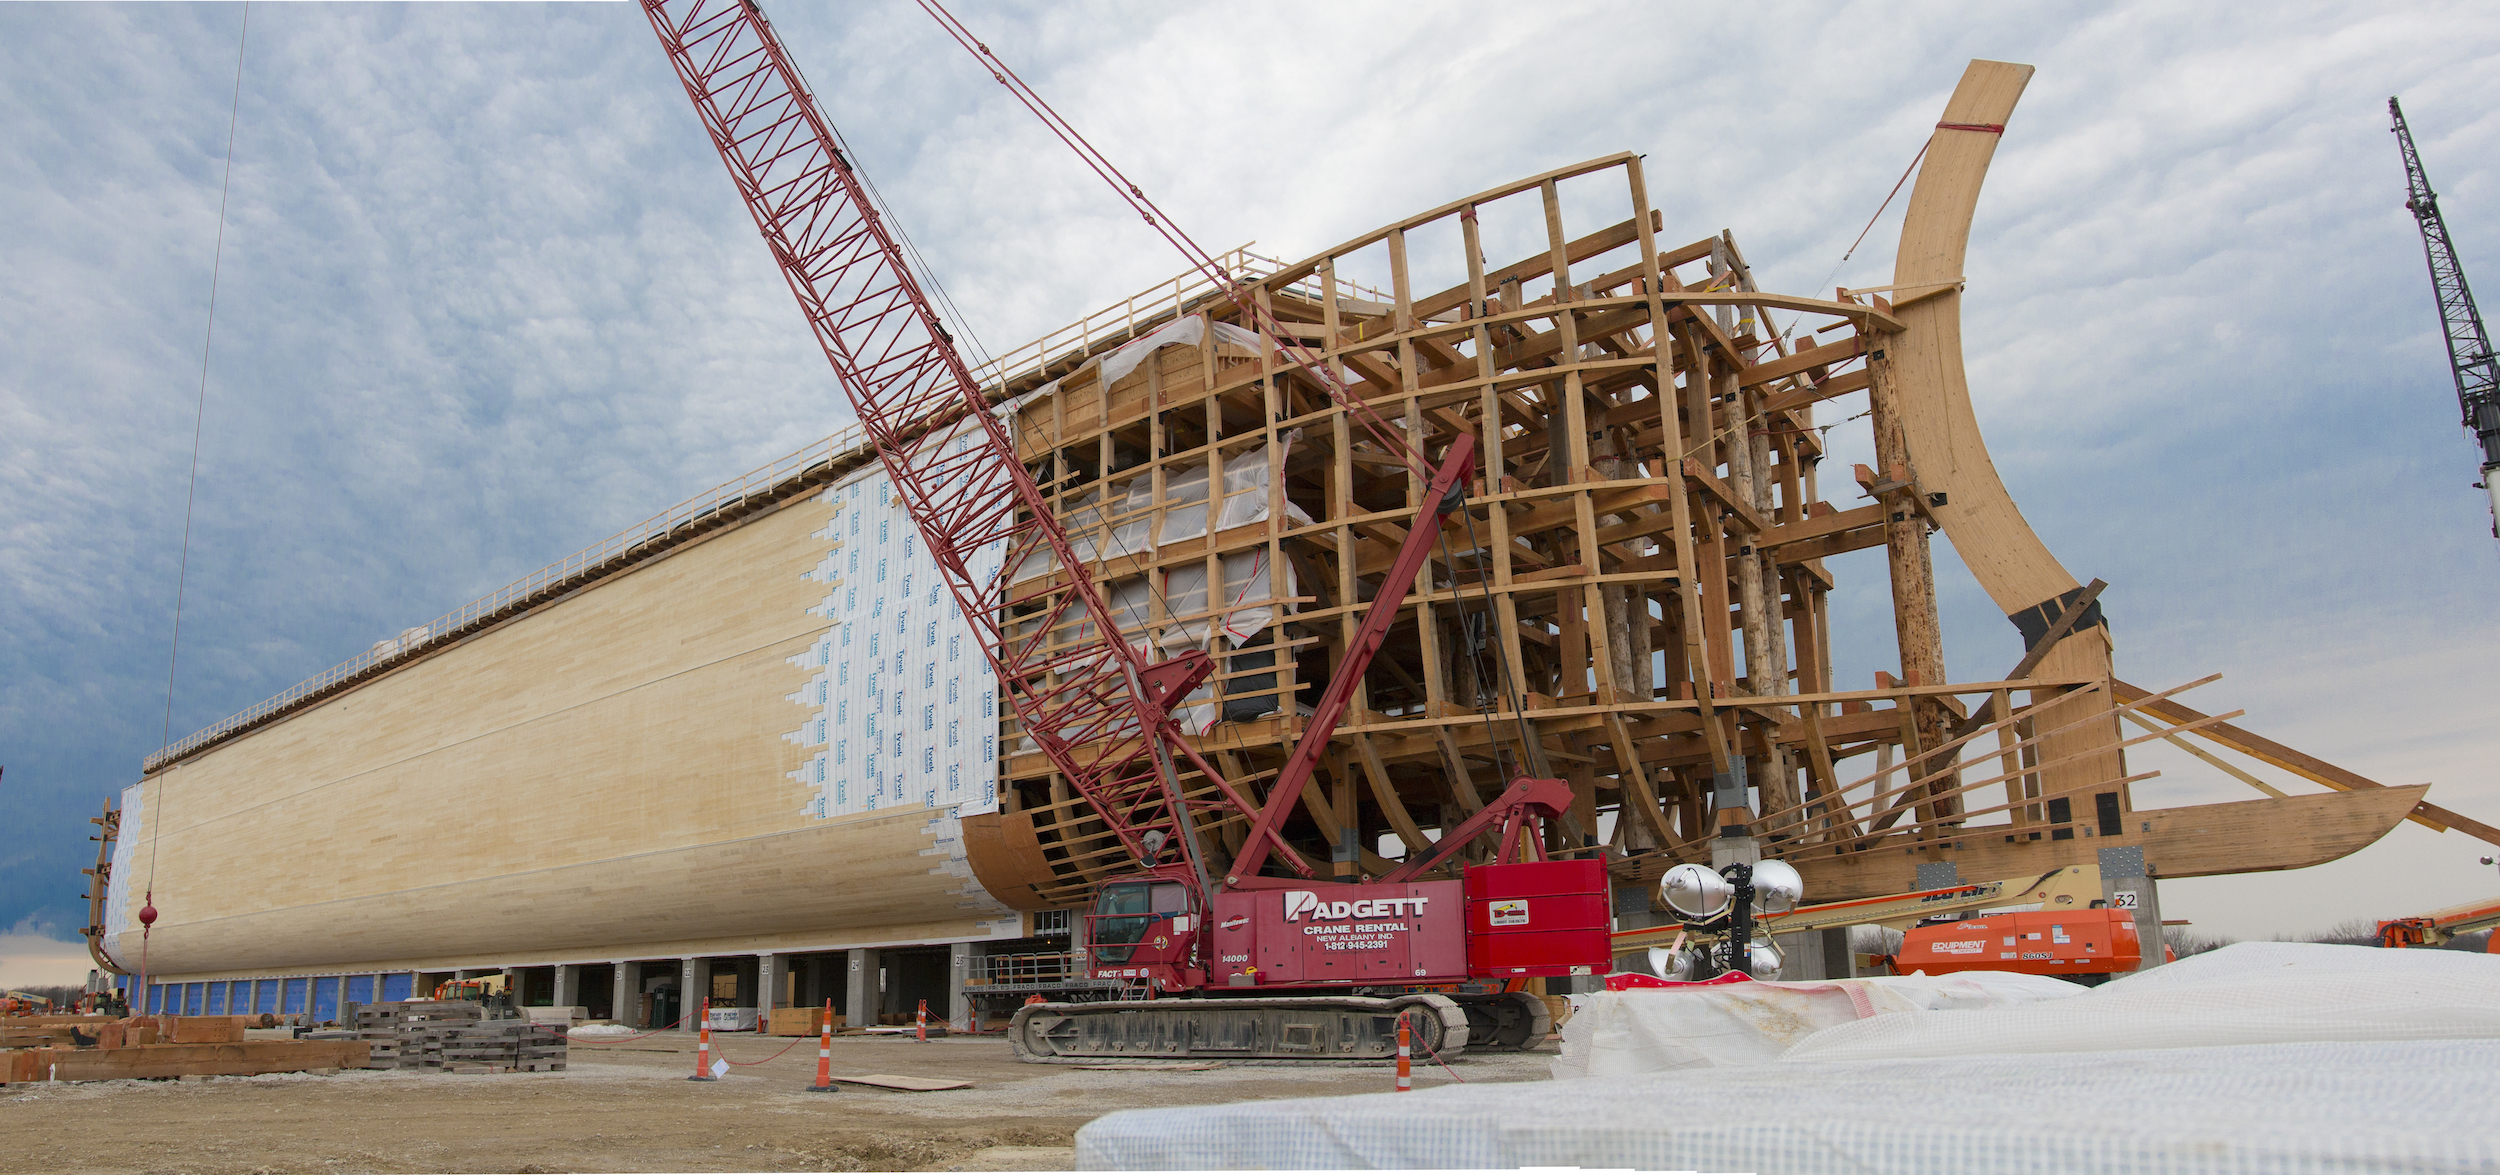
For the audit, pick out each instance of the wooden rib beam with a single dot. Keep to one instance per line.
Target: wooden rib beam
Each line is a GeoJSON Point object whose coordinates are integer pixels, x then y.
{"type": "Point", "coordinates": [2309, 767]}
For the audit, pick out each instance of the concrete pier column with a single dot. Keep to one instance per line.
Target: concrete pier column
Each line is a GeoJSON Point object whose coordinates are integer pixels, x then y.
{"type": "Point", "coordinates": [693, 984]}
{"type": "Point", "coordinates": [1838, 961]}
{"type": "Point", "coordinates": [568, 984]}
{"type": "Point", "coordinates": [772, 986]}
{"type": "Point", "coordinates": [623, 1001]}
{"type": "Point", "coordinates": [958, 974]}
{"type": "Point", "coordinates": [2127, 885]}
{"type": "Point", "coordinates": [866, 993]}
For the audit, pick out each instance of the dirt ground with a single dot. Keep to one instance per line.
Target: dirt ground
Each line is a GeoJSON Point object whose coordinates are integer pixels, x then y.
{"type": "Point", "coordinates": [627, 1106]}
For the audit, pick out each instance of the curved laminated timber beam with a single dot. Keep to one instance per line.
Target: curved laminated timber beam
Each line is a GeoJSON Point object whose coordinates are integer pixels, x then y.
{"type": "Point", "coordinates": [1634, 596]}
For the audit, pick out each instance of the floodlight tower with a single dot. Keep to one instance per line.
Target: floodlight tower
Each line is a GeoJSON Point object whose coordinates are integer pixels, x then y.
{"type": "Point", "coordinates": [2469, 348]}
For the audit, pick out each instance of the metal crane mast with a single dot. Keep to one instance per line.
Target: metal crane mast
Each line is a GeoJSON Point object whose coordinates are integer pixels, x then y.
{"type": "Point", "coordinates": [2470, 357]}
{"type": "Point", "coordinates": [1096, 707]}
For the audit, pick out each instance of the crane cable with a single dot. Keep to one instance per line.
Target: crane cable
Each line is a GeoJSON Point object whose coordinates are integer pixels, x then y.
{"type": "Point", "coordinates": [1289, 346]}
{"type": "Point", "coordinates": [182, 573]}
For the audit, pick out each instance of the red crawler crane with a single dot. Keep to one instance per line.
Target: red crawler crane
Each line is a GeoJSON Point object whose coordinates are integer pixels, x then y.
{"type": "Point", "coordinates": [1304, 969]}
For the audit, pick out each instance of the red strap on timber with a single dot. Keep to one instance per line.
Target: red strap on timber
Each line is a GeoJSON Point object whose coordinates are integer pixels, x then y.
{"type": "Point", "coordinates": [1994, 128]}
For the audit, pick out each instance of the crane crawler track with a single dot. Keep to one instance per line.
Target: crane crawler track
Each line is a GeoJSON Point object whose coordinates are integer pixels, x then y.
{"type": "Point", "coordinates": [1294, 1028]}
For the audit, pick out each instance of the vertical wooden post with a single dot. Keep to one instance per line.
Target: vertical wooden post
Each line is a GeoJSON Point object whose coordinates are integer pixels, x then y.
{"type": "Point", "coordinates": [1913, 573]}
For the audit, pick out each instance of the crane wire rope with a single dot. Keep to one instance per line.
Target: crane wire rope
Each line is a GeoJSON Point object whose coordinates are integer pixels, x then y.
{"type": "Point", "coordinates": [963, 322]}
{"type": "Point", "coordinates": [918, 262]}
{"type": "Point", "coordinates": [1475, 654]}
{"type": "Point", "coordinates": [191, 491]}
{"type": "Point", "coordinates": [1288, 345]}
{"type": "Point", "coordinates": [1251, 309]}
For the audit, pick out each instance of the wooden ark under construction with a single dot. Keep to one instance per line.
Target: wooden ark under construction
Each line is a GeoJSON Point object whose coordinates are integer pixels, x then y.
{"type": "Point", "coordinates": [1634, 598]}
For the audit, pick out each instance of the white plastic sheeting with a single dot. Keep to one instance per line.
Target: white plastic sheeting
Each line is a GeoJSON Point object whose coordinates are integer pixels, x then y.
{"type": "Point", "coordinates": [2284, 1109]}
{"type": "Point", "coordinates": [1247, 608]}
{"type": "Point", "coordinates": [903, 706]}
{"type": "Point", "coordinates": [2249, 993]}
{"type": "Point", "coordinates": [1120, 521]}
{"type": "Point", "coordinates": [1186, 332]}
{"type": "Point", "coordinates": [1184, 504]}
{"type": "Point", "coordinates": [1654, 1030]}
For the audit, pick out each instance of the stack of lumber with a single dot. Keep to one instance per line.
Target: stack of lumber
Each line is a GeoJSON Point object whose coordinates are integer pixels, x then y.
{"type": "Point", "coordinates": [799, 1021]}
{"type": "Point", "coordinates": [106, 1032]}
{"type": "Point", "coordinates": [203, 1029]}
{"type": "Point", "coordinates": [13, 1036]}
{"type": "Point", "coordinates": [179, 1060]}
{"type": "Point", "coordinates": [454, 1036]}
{"type": "Point", "coordinates": [102, 1048]}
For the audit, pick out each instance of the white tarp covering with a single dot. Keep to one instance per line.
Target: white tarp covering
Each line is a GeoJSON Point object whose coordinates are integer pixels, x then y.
{"type": "Point", "coordinates": [1653, 1030]}
{"type": "Point", "coordinates": [2265, 1057]}
{"type": "Point", "coordinates": [903, 706]}
{"type": "Point", "coordinates": [2249, 993]}
{"type": "Point", "coordinates": [2409, 1106]}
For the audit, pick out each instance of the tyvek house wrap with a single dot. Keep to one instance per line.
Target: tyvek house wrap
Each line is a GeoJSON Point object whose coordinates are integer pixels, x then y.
{"type": "Point", "coordinates": [904, 706]}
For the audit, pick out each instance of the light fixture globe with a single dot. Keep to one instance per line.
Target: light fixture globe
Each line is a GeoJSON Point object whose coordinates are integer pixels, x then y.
{"type": "Point", "coordinates": [1671, 965]}
{"type": "Point", "coordinates": [1776, 887]}
{"type": "Point", "coordinates": [1763, 960]}
{"type": "Point", "coordinates": [1695, 892]}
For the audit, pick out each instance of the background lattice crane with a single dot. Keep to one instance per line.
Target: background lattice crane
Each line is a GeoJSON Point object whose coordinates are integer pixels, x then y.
{"type": "Point", "coordinates": [2469, 347]}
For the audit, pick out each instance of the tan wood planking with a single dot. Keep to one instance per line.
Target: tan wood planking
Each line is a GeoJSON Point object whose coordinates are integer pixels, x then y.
{"type": "Point", "coordinates": [2011, 563]}
{"type": "Point", "coordinates": [1988, 530]}
{"type": "Point", "coordinates": [607, 771]}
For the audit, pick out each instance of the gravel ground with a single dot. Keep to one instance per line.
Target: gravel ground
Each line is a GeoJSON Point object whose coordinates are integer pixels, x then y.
{"type": "Point", "coordinates": [627, 1107]}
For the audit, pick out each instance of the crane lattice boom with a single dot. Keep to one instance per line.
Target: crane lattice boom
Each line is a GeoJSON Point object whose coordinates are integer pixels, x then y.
{"type": "Point", "coordinates": [2470, 357]}
{"type": "Point", "coordinates": [1095, 707]}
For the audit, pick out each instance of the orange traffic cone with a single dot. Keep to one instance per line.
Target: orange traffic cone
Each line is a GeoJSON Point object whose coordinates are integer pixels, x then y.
{"type": "Point", "coordinates": [921, 1022]}
{"type": "Point", "coordinates": [824, 1055]}
{"type": "Point", "coordinates": [1406, 1070]}
{"type": "Point", "coordinates": [703, 1047]}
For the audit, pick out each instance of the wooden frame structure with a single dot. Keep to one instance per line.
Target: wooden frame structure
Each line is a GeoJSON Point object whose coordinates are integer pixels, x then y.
{"type": "Point", "coordinates": [1635, 596]}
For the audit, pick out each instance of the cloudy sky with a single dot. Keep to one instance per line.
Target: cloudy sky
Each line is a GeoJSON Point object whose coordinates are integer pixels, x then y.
{"type": "Point", "coordinates": [487, 296]}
